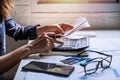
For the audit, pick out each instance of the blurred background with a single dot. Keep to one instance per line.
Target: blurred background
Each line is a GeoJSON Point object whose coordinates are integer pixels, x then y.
{"type": "Point", "coordinates": [101, 15]}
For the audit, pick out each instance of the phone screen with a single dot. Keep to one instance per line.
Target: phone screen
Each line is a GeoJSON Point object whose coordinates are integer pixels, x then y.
{"type": "Point", "coordinates": [52, 68]}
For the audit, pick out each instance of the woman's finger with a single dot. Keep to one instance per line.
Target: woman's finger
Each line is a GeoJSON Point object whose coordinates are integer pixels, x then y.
{"type": "Point", "coordinates": [37, 40]}
{"type": "Point", "coordinates": [66, 26]}
{"type": "Point", "coordinates": [59, 30]}
{"type": "Point", "coordinates": [58, 41]}
{"type": "Point", "coordinates": [53, 39]}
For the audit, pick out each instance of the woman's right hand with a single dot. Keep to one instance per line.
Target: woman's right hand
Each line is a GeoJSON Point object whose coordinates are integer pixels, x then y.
{"type": "Point", "coordinates": [43, 43]}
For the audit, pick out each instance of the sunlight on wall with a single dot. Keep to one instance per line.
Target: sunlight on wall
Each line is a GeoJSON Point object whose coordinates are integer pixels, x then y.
{"type": "Point", "coordinates": [60, 1]}
{"type": "Point", "coordinates": [77, 1]}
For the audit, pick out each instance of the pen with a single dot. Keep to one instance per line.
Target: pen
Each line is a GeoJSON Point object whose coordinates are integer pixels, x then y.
{"type": "Point", "coordinates": [56, 36]}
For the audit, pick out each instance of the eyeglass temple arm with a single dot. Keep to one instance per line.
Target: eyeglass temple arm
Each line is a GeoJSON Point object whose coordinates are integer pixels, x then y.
{"type": "Point", "coordinates": [99, 52]}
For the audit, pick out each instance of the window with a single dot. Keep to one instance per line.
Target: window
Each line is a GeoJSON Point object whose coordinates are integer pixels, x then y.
{"type": "Point", "coordinates": [101, 14]}
{"type": "Point", "coordinates": [77, 1]}
{"type": "Point", "coordinates": [80, 6]}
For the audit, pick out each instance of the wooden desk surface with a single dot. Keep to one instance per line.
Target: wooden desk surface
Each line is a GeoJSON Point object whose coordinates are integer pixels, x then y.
{"type": "Point", "coordinates": [104, 41]}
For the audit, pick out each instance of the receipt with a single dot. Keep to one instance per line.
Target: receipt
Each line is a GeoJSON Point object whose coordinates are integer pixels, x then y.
{"type": "Point", "coordinates": [79, 24]}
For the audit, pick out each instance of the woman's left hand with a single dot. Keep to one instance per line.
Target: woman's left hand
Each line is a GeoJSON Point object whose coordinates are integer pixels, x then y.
{"type": "Point", "coordinates": [56, 28]}
{"type": "Point", "coordinates": [43, 43]}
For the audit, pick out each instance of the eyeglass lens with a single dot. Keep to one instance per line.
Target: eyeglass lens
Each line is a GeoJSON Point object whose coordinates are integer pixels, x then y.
{"type": "Point", "coordinates": [106, 62]}
{"type": "Point", "coordinates": [92, 66]}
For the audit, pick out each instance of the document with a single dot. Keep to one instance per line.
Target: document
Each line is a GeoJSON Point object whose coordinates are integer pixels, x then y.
{"type": "Point", "coordinates": [79, 24]}
{"type": "Point", "coordinates": [73, 41]}
{"type": "Point", "coordinates": [108, 74]}
{"type": "Point", "coordinates": [42, 76]}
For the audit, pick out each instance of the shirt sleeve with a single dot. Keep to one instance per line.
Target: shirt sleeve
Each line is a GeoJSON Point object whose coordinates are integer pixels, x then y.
{"type": "Point", "coordinates": [19, 32]}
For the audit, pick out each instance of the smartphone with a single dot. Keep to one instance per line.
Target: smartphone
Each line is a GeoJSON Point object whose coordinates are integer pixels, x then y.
{"type": "Point", "coordinates": [50, 68]}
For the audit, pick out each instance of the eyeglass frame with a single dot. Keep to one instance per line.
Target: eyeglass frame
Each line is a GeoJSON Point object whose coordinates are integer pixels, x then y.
{"type": "Point", "coordinates": [99, 61]}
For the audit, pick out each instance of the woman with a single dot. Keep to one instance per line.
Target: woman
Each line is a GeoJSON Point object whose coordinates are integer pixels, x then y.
{"type": "Point", "coordinates": [8, 26]}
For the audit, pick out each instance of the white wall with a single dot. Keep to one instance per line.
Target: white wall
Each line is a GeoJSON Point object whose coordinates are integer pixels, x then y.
{"type": "Point", "coordinates": [100, 16]}
{"type": "Point", "coordinates": [27, 12]}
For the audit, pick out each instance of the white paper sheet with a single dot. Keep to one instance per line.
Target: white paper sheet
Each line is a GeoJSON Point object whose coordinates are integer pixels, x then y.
{"type": "Point", "coordinates": [112, 73]}
{"type": "Point", "coordinates": [108, 74]}
{"type": "Point", "coordinates": [79, 24]}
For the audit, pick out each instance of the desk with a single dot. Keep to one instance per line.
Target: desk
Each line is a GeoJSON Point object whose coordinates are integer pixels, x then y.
{"type": "Point", "coordinates": [104, 41]}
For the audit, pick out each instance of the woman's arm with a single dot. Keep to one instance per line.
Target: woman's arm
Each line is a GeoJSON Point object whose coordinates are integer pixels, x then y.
{"type": "Point", "coordinates": [40, 44]}
{"type": "Point", "coordinates": [11, 59]}
{"type": "Point", "coordinates": [19, 32]}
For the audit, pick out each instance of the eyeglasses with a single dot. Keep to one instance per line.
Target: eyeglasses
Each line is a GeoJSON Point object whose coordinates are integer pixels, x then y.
{"type": "Point", "coordinates": [92, 65]}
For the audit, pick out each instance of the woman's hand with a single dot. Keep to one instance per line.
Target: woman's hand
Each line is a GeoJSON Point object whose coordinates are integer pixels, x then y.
{"type": "Point", "coordinates": [43, 43]}
{"type": "Point", "coordinates": [66, 26]}
{"type": "Point", "coordinates": [49, 28]}
{"type": "Point", "coordinates": [56, 28]}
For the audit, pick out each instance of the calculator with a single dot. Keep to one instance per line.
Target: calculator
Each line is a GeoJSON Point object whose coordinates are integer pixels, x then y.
{"type": "Point", "coordinates": [72, 44]}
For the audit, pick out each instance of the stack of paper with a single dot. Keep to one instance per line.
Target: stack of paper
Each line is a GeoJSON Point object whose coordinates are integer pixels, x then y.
{"type": "Point", "coordinates": [73, 41]}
